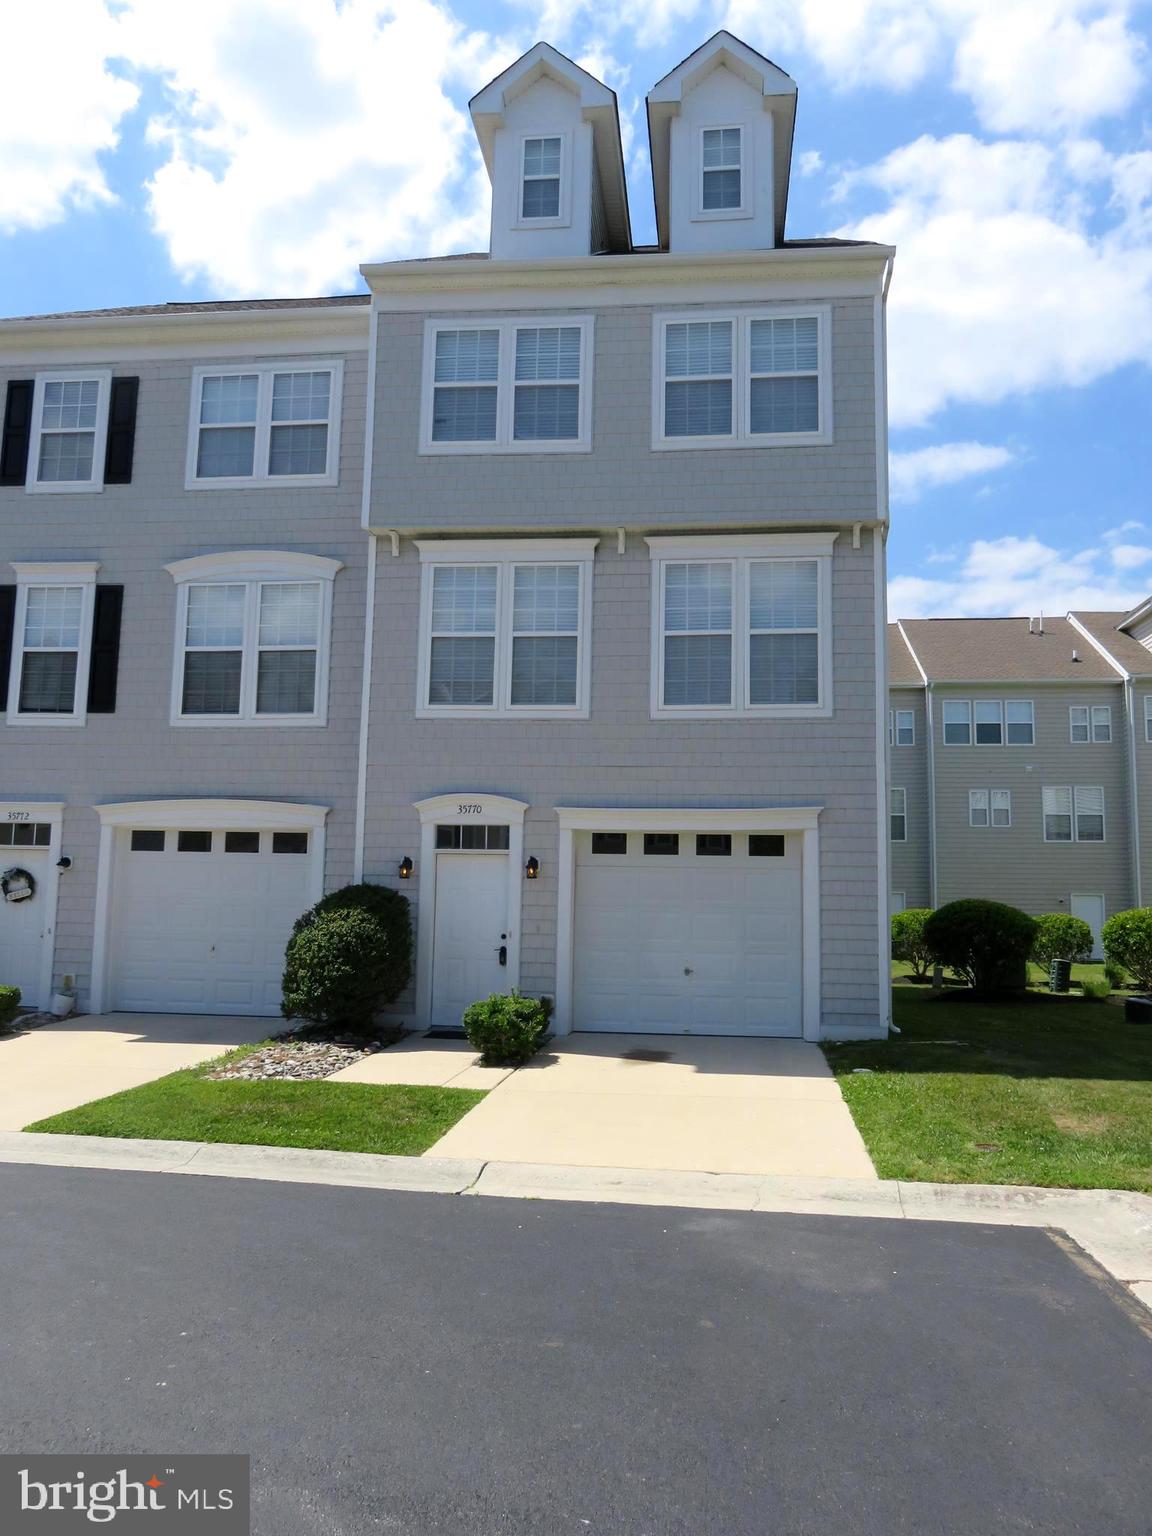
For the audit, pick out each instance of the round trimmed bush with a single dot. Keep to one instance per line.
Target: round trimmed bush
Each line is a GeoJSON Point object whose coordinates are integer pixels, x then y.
{"type": "Point", "coordinates": [507, 1028]}
{"type": "Point", "coordinates": [1060, 936]}
{"type": "Point", "coordinates": [984, 942]}
{"type": "Point", "coordinates": [1128, 943]}
{"type": "Point", "coordinates": [337, 970]}
{"type": "Point", "coordinates": [908, 940]}
{"type": "Point", "coordinates": [391, 911]}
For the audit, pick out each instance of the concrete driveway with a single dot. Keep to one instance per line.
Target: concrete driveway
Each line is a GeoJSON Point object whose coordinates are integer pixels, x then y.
{"type": "Point", "coordinates": [644, 1101]}
{"type": "Point", "coordinates": [61, 1065]}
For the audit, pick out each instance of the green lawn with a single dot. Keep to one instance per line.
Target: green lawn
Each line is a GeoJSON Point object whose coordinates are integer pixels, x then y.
{"type": "Point", "coordinates": [1037, 975]}
{"type": "Point", "coordinates": [1051, 1090]}
{"type": "Point", "coordinates": [338, 1117]}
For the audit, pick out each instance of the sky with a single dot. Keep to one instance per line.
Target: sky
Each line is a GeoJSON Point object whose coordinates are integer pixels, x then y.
{"type": "Point", "coordinates": [151, 151]}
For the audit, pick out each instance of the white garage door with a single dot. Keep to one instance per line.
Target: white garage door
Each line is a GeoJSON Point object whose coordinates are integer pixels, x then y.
{"type": "Point", "coordinates": [685, 933]}
{"type": "Point", "coordinates": [200, 919]}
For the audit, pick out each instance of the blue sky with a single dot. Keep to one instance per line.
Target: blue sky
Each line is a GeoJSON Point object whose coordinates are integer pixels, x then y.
{"type": "Point", "coordinates": [150, 152]}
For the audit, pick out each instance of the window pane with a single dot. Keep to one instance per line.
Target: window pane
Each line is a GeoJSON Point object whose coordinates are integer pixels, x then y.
{"type": "Point", "coordinates": [464, 599]}
{"type": "Point", "coordinates": [298, 451]}
{"type": "Point", "coordinates": [785, 405]}
{"type": "Point", "coordinates": [289, 613]}
{"type": "Point", "coordinates": [714, 845]}
{"type": "Point", "coordinates": [698, 596]}
{"type": "Point", "coordinates": [228, 399]}
{"type": "Point", "coordinates": [70, 404]}
{"type": "Point", "coordinates": [1019, 717]}
{"type": "Point", "coordinates": [544, 670]}
{"type": "Point", "coordinates": [241, 842]}
{"type": "Point", "coordinates": [698, 347]}
{"type": "Point", "coordinates": [66, 456]}
{"type": "Point", "coordinates": [721, 189]}
{"type": "Point", "coordinates": [989, 723]}
{"type": "Point", "coordinates": [765, 845]}
{"type": "Point", "coordinates": [286, 683]}
{"type": "Point", "coordinates": [542, 156]}
{"type": "Point", "coordinates": [300, 396]}
{"type": "Point", "coordinates": [464, 416]}
{"type": "Point", "coordinates": [784, 669]}
{"type": "Point", "coordinates": [1058, 828]}
{"type": "Point", "coordinates": [609, 842]}
{"type": "Point", "coordinates": [215, 616]}
{"type": "Point", "coordinates": [547, 413]}
{"type": "Point", "coordinates": [698, 669]}
{"type": "Point", "coordinates": [52, 616]}
{"type": "Point", "coordinates": [785, 346]}
{"type": "Point", "coordinates": [225, 451]}
{"type": "Point", "coordinates": [784, 594]}
{"type": "Point", "coordinates": [467, 356]}
{"type": "Point", "coordinates": [663, 843]}
{"type": "Point", "coordinates": [698, 410]}
{"type": "Point", "coordinates": [193, 842]}
{"type": "Point", "coordinates": [145, 841]}
{"type": "Point", "coordinates": [461, 671]}
{"type": "Point", "coordinates": [48, 683]}
{"type": "Point", "coordinates": [289, 842]}
{"type": "Point", "coordinates": [721, 147]}
{"type": "Point", "coordinates": [541, 198]}
{"type": "Point", "coordinates": [211, 683]}
{"type": "Point", "coordinates": [548, 352]}
{"type": "Point", "coordinates": [957, 723]}
{"type": "Point", "coordinates": [546, 599]}
{"type": "Point", "coordinates": [1079, 723]}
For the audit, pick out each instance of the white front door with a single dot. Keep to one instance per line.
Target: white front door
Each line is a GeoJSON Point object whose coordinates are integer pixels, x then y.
{"type": "Point", "coordinates": [470, 931]}
{"type": "Point", "coordinates": [24, 927]}
{"type": "Point", "coordinates": [1091, 909]}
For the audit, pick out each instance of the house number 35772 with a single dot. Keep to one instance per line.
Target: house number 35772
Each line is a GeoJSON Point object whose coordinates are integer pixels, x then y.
{"type": "Point", "coordinates": [473, 809]}
{"type": "Point", "coordinates": [19, 815]}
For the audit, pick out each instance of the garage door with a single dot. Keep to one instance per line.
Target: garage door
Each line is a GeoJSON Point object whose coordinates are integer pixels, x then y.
{"type": "Point", "coordinates": [200, 919]}
{"type": "Point", "coordinates": [686, 933]}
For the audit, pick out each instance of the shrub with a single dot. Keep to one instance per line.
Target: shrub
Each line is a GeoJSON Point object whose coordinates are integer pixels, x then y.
{"type": "Point", "coordinates": [1128, 942]}
{"type": "Point", "coordinates": [506, 1028]}
{"type": "Point", "coordinates": [908, 940]}
{"type": "Point", "coordinates": [9, 1003]}
{"type": "Point", "coordinates": [984, 942]}
{"type": "Point", "coordinates": [392, 911]}
{"type": "Point", "coordinates": [1115, 975]}
{"type": "Point", "coordinates": [1097, 990]}
{"type": "Point", "coordinates": [338, 970]}
{"type": "Point", "coordinates": [1060, 936]}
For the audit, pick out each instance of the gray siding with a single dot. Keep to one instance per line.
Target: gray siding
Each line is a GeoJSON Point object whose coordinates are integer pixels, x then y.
{"type": "Point", "coordinates": [908, 769]}
{"type": "Point", "coordinates": [134, 531]}
{"type": "Point", "coordinates": [1141, 691]}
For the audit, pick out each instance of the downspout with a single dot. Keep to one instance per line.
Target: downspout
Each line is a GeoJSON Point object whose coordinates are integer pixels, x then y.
{"type": "Point", "coordinates": [369, 601]}
{"type": "Point", "coordinates": [930, 731]}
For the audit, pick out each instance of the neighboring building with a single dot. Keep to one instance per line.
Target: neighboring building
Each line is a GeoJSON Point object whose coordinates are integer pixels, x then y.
{"type": "Point", "coordinates": [1021, 761]}
{"type": "Point", "coordinates": [616, 564]}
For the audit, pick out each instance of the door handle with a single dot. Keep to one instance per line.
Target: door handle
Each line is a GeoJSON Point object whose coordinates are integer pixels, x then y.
{"type": "Point", "coordinates": [502, 951]}
{"type": "Point", "coordinates": [688, 970]}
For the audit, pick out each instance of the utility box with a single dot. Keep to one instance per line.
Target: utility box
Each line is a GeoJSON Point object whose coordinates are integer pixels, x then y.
{"type": "Point", "coordinates": [1059, 975]}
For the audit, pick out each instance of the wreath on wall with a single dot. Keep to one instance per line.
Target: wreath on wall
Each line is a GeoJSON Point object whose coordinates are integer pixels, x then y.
{"type": "Point", "coordinates": [17, 884]}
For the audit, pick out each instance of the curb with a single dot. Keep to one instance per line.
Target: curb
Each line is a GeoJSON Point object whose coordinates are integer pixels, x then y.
{"type": "Point", "coordinates": [1113, 1226]}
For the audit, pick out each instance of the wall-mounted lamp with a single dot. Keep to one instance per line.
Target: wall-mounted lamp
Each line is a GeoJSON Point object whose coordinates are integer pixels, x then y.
{"type": "Point", "coordinates": [63, 862]}
{"type": "Point", "coordinates": [406, 867]}
{"type": "Point", "coordinates": [532, 868]}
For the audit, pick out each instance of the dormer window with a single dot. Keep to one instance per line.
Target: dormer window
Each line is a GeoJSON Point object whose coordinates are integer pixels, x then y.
{"type": "Point", "coordinates": [540, 182]}
{"type": "Point", "coordinates": [721, 170]}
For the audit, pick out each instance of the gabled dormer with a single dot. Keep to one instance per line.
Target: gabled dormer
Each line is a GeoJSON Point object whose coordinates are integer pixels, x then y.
{"type": "Point", "coordinates": [550, 135]}
{"type": "Point", "coordinates": [721, 128]}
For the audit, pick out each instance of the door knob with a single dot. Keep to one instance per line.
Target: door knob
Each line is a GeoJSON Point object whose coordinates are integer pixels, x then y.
{"type": "Point", "coordinates": [688, 970]}
{"type": "Point", "coordinates": [502, 951]}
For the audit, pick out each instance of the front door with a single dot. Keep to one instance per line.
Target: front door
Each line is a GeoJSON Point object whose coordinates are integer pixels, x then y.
{"type": "Point", "coordinates": [470, 936]}
{"type": "Point", "coordinates": [24, 924]}
{"type": "Point", "coordinates": [1091, 909]}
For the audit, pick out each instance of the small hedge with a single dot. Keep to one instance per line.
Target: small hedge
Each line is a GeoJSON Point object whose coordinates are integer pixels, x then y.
{"type": "Point", "coordinates": [507, 1028]}
{"type": "Point", "coordinates": [1060, 936]}
{"type": "Point", "coordinates": [392, 912]}
{"type": "Point", "coordinates": [9, 1003]}
{"type": "Point", "coordinates": [341, 966]}
{"type": "Point", "coordinates": [985, 943]}
{"type": "Point", "coordinates": [908, 942]}
{"type": "Point", "coordinates": [1128, 943]}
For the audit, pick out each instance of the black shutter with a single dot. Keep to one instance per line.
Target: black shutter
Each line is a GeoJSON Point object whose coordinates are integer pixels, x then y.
{"type": "Point", "coordinates": [17, 432]}
{"type": "Point", "coordinates": [121, 431]}
{"type": "Point", "coordinates": [7, 623]}
{"type": "Point", "coordinates": [105, 650]}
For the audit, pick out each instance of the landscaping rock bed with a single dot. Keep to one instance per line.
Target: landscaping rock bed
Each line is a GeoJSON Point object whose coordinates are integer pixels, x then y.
{"type": "Point", "coordinates": [299, 1060]}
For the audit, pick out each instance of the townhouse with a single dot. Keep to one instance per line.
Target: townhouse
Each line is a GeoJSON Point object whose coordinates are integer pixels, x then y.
{"type": "Point", "coordinates": [544, 583]}
{"type": "Point", "coordinates": [1021, 761]}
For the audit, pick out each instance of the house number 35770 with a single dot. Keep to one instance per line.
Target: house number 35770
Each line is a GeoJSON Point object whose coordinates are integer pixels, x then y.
{"type": "Point", "coordinates": [473, 809]}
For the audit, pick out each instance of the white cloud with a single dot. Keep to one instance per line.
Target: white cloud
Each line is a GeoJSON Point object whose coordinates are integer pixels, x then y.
{"type": "Point", "coordinates": [810, 162]}
{"type": "Point", "coordinates": [1129, 557]}
{"type": "Point", "coordinates": [1014, 576]}
{"type": "Point", "coordinates": [301, 139]}
{"type": "Point", "coordinates": [922, 469]}
{"type": "Point", "coordinates": [60, 108]}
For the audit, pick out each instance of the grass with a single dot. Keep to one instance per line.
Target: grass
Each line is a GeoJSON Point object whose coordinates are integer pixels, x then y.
{"type": "Point", "coordinates": [337, 1117]}
{"type": "Point", "coordinates": [1037, 974]}
{"type": "Point", "coordinates": [1053, 1091]}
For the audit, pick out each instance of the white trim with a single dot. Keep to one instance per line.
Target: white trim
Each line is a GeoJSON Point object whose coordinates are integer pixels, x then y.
{"type": "Point", "coordinates": [1074, 791]}
{"type": "Point", "coordinates": [741, 320]}
{"type": "Point", "coordinates": [506, 555]}
{"type": "Point", "coordinates": [802, 818]}
{"type": "Point", "coordinates": [216, 815]}
{"type": "Point", "coordinates": [894, 727]}
{"type": "Point", "coordinates": [741, 551]}
{"type": "Point", "coordinates": [260, 479]}
{"type": "Point", "coordinates": [253, 568]}
{"type": "Point", "coordinates": [51, 811]}
{"type": "Point", "coordinates": [883, 767]}
{"type": "Point", "coordinates": [505, 384]}
{"type": "Point", "coordinates": [563, 217]}
{"type": "Point", "coordinates": [745, 208]}
{"type": "Point", "coordinates": [103, 379]}
{"type": "Point", "coordinates": [440, 810]}
{"type": "Point", "coordinates": [45, 573]}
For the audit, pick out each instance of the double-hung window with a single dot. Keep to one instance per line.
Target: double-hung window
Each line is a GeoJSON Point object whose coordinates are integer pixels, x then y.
{"type": "Point", "coordinates": [52, 643]}
{"type": "Point", "coordinates": [957, 716]}
{"type": "Point", "coordinates": [989, 808]}
{"type": "Point", "coordinates": [741, 626]}
{"type": "Point", "coordinates": [898, 814]}
{"type": "Point", "coordinates": [1073, 813]}
{"type": "Point", "coordinates": [1020, 723]}
{"type": "Point", "coordinates": [901, 728]}
{"type": "Point", "coordinates": [265, 426]}
{"type": "Point", "coordinates": [721, 171]}
{"type": "Point", "coordinates": [505, 627]}
{"type": "Point", "coordinates": [508, 386]}
{"type": "Point", "coordinates": [1090, 723]}
{"type": "Point", "coordinates": [69, 431]}
{"type": "Point", "coordinates": [1148, 717]}
{"type": "Point", "coordinates": [252, 639]}
{"type": "Point", "coordinates": [988, 722]}
{"type": "Point", "coordinates": [542, 168]}
{"type": "Point", "coordinates": [747, 379]}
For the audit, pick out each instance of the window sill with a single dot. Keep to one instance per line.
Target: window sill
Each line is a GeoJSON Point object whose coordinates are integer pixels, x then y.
{"type": "Point", "coordinates": [765, 712]}
{"type": "Point", "coordinates": [546, 446]}
{"type": "Point", "coordinates": [260, 482]}
{"type": "Point", "coordinates": [762, 440]}
{"type": "Point", "coordinates": [54, 721]}
{"type": "Point", "coordinates": [236, 722]}
{"type": "Point", "coordinates": [451, 712]}
{"type": "Point", "coordinates": [62, 487]}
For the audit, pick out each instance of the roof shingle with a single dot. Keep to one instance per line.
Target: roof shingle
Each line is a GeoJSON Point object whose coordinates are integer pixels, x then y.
{"type": "Point", "coordinates": [1003, 651]}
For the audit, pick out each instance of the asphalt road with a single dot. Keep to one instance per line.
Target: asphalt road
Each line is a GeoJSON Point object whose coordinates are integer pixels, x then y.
{"type": "Point", "coordinates": [429, 1364]}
